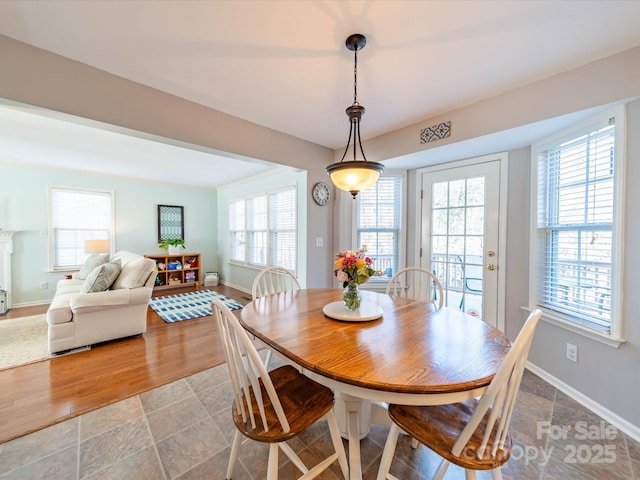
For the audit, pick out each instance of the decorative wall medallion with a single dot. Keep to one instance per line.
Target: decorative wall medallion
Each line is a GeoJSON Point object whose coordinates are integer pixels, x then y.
{"type": "Point", "coordinates": [436, 132]}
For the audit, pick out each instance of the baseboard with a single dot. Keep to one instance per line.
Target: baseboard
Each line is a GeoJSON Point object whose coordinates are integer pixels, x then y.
{"type": "Point", "coordinates": [237, 287]}
{"type": "Point", "coordinates": [613, 418]}
{"type": "Point", "coordinates": [31, 304]}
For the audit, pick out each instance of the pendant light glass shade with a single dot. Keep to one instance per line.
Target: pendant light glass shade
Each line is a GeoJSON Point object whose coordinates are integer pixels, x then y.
{"type": "Point", "coordinates": [356, 175]}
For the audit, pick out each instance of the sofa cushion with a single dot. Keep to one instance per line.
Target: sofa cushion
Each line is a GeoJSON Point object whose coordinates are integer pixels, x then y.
{"type": "Point", "coordinates": [125, 257]}
{"type": "Point", "coordinates": [134, 273]}
{"type": "Point", "coordinates": [94, 260]}
{"type": "Point", "coordinates": [68, 286]}
{"type": "Point", "coordinates": [59, 311]}
{"type": "Point", "coordinates": [96, 301]}
{"type": "Point", "coordinates": [101, 278]}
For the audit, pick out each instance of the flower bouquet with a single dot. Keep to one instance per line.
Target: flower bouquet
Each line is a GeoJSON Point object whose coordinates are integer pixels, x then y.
{"type": "Point", "coordinates": [353, 269]}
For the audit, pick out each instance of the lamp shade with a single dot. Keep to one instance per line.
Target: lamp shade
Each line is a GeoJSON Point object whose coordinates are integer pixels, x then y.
{"type": "Point", "coordinates": [354, 176]}
{"type": "Point", "coordinates": [96, 246]}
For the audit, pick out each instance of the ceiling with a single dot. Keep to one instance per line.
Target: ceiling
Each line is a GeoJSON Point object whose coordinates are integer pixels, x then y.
{"type": "Point", "coordinates": [283, 64]}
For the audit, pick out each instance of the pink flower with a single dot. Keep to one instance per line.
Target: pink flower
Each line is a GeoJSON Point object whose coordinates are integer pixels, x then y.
{"type": "Point", "coordinates": [353, 266]}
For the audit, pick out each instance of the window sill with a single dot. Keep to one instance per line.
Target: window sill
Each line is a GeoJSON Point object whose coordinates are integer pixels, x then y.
{"type": "Point", "coordinates": [579, 329]}
{"type": "Point", "coordinates": [65, 270]}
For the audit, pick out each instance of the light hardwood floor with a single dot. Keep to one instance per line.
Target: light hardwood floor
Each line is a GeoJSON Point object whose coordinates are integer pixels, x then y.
{"type": "Point", "coordinates": [43, 393]}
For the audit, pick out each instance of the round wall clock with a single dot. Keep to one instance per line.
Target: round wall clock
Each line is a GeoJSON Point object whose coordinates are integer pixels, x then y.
{"type": "Point", "coordinates": [321, 193]}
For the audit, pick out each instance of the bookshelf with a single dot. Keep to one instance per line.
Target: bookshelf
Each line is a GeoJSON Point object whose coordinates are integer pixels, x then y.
{"type": "Point", "coordinates": [176, 271]}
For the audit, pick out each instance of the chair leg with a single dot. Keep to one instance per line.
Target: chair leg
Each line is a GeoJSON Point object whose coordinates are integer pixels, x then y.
{"type": "Point", "coordinates": [295, 459]}
{"type": "Point", "coordinates": [272, 467]}
{"type": "Point", "coordinates": [235, 448]}
{"type": "Point", "coordinates": [336, 438]}
{"type": "Point", "coordinates": [267, 359]}
{"type": "Point", "coordinates": [388, 452]}
{"type": "Point", "coordinates": [469, 474]}
{"type": "Point", "coordinates": [442, 469]}
{"type": "Point", "coordinates": [496, 473]}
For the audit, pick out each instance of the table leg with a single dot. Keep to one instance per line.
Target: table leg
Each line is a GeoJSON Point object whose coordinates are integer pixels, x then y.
{"type": "Point", "coordinates": [354, 418]}
{"type": "Point", "coordinates": [355, 463]}
{"type": "Point", "coordinates": [346, 404]}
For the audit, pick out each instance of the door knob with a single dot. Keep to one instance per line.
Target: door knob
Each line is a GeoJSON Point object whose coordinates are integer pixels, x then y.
{"type": "Point", "coordinates": [491, 266]}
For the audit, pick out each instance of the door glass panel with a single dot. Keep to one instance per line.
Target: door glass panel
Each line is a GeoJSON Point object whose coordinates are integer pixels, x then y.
{"type": "Point", "coordinates": [439, 245]}
{"type": "Point", "coordinates": [456, 193]}
{"type": "Point", "coordinates": [474, 246]}
{"type": "Point", "coordinates": [458, 225]}
{"type": "Point", "coordinates": [456, 221]}
{"type": "Point", "coordinates": [456, 245]}
{"type": "Point", "coordinates": [475, 191]}
{"type": "Point", "coordinates": [439, 224]}
{"type": "Point", "coordinates": [475, 220]}
{"type": "Point", "coordinates": [440, 195]}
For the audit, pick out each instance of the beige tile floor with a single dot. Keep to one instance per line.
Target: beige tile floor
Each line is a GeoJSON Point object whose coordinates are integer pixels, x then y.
{"type": "Point", "coordinates": [183, 430]}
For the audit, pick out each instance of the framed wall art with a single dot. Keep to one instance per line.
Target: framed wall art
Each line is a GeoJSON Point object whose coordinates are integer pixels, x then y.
{"type": "Point", "coordinates": [170, 222]}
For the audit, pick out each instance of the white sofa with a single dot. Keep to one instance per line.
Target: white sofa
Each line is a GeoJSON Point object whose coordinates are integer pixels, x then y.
{"type": "Point", "coordinates": [77, 318]}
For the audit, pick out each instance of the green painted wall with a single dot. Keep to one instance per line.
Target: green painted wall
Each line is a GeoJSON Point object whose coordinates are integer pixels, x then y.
{"type": "Point", "coordinates": [24, 207]}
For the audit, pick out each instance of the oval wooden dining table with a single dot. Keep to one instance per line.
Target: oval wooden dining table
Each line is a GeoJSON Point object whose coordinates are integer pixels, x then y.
{"type": "Point", "coordinates": [414, 354]}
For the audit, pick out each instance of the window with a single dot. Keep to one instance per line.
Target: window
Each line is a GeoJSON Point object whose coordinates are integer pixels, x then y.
{"type": "Point", "coordinates": [75, 216]}
{"type": "Point", "coordinates": [578, 230]}
{"type": "Point", "coordinates": [237, 230]}
{"type": "Point", "coordinates": [379, 214]}
{"type": "Point", "coordinates": [263, 229]}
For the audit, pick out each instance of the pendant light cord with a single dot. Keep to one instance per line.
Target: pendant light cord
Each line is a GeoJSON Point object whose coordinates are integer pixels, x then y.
{"type": "Point", "coordinates": [355, 76]}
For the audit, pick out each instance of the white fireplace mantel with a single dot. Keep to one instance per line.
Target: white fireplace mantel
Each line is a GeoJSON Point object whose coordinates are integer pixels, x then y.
{"type": "Point", "coordinates": [6, 249]}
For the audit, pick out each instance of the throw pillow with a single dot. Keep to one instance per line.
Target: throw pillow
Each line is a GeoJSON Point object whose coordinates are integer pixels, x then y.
{"type": "Point", "coordinates": [101, 278]}
{"type": "Point", "coordinates": [94, 260]}
{"type": "Point", "coordinates": [134, 273]}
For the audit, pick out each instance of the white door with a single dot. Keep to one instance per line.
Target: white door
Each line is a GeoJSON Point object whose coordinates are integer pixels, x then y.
{"type": "Point", "coordinates": [460, 234]}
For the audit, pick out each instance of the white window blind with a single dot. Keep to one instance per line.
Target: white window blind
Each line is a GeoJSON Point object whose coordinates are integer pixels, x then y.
{"type": "Point", "coordinates": [575, 225]}
{"type": "Point", "coordinates": [76, 216]}
{"type": "Point", "coordinates": [282, 231]}
{"type": "Point", "coordinates": [263, 229]}
{"type": "Point", "coordinates": [257, 219]}
{"type": "Point", "coordinates": [379, 222]}
{"type": "Point", "coordinates": [237, 230]}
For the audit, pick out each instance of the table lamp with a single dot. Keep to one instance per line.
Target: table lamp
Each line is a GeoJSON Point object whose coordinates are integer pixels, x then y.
{"type": "Point", "coordinates": [96, 246]}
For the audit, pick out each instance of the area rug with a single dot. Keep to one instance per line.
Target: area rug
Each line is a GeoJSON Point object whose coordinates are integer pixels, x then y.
{"type": "Point", "coordinates": [184, 306]}
{"type": "Point", "coordinates": [23, 340]}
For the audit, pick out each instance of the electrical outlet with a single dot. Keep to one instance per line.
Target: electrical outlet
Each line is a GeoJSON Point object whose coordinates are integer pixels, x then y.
{"type": "Point", "coordinates": [44, 285]}
{"type": "Point", "coordinates": [572, 353]}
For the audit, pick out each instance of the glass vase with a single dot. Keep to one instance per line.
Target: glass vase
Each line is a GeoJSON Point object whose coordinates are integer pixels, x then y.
{"type": "Point", "coordinates": [352, 297]}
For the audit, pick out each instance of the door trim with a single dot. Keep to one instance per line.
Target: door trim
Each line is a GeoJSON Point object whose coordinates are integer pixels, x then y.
{"type": "Point", "coordinates": [503, 159]}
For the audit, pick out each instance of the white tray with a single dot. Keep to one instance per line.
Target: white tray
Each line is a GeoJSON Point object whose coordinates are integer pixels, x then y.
{"type": "Point", "coordinates": [366, 312]}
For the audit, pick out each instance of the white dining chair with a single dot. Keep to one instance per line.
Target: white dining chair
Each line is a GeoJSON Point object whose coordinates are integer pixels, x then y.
{"type": "Point", "coordinates": [419, 284]}
{"type": "Point", "coordinates": [269, 281]}
{"type": "Point", "coordinates": [472, 434]}
{"type": "Point", "coordinates": [416, 283]}
{"type": "Point", "coordinates": [274, 280]}
{"type": "Point", "coordinates": [273, 407]}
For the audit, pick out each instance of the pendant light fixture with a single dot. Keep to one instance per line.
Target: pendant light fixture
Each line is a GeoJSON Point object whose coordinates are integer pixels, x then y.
{"type": "Point", "coordinates": [355, 175]}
